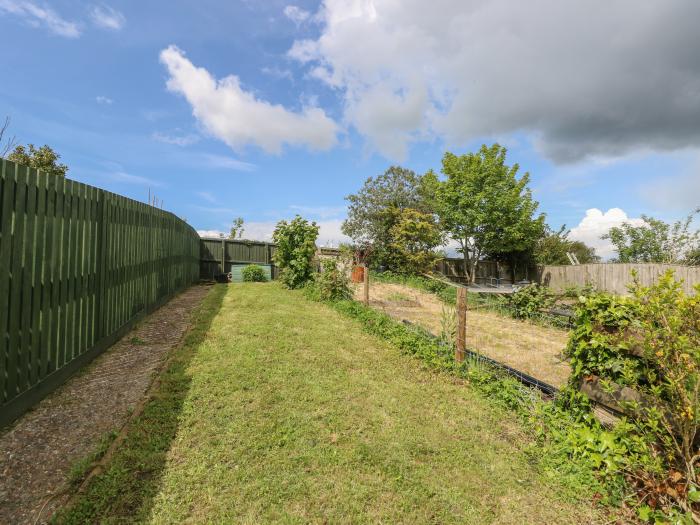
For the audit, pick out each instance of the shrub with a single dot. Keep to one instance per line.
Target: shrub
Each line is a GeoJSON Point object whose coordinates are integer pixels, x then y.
{"type": "Point", "coordinates": [651, 343]}
{"type": "Point", "coordinates": [296, 246]}
{"type": "Point", "coordinates": [332, 283]}
{"type": "Point", "coordinates": [528, 302]}
{"type": "Point", "coordinates": [254, 274]}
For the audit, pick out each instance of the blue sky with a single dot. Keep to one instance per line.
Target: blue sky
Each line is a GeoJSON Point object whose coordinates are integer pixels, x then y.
{"type": "Point", "coordinates": [601, 107]}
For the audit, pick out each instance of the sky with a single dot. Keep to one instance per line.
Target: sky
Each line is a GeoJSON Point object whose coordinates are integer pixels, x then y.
{"type": "Point", "coordinates": [266, 109]}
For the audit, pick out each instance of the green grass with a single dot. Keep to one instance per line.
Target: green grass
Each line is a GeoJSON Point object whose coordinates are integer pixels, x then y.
{"type": "Point", "coordinates": [284, 410]}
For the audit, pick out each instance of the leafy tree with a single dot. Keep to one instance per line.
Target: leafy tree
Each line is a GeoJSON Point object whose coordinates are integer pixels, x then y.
{"type": "Point", "coordinates": [553, 246]}
{"type": "Point", "coordinates": [43, 158]}
{"type": "Point", "coordinates": [372, 210]}
{"type": "Point", "coordinates": [414, 237]}
{"type": "Point", "coordinates": [296, 246]}
{"type": "Point", "coordinates": [655, 241]}
{"type": "Point", "coordinates": [236, 228]}
{"type": "Point", "coordinates": [483, 205]}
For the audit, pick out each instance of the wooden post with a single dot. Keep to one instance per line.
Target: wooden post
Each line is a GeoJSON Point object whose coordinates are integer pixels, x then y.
{"type": "Point", "coordinates": [365, 277]}
{"type": "Point", "coordinates": [461, 324]}
{"type": "Point", "coordinates": [223, 256]}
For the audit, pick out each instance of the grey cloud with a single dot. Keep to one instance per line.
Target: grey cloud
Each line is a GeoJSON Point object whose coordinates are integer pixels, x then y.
{"type": "Point", "coordinates": [597, 78]}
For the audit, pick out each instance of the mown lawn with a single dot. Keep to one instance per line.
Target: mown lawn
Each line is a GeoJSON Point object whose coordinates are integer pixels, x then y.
{"type": "Point", "coordinates": [292, 414]}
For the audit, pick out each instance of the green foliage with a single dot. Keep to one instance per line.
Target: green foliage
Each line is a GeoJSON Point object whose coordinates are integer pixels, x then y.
{"type": "Point", "coordinates": [376, 208]}
{"type": "Point", "coordinates": [571, 446]}
{"type": "Point", "coordinates": [413, 239]}
{"type": "Point", "coordinates": [483, 205]}
{"type": "Point", "coordinates": [553, 246]}
{"type": "Point", "coordinates": [254, 274]}
{"type": "Point", "coordinates": [655, 241]}
{"type": "Point", "coordinates": [332, 282]}
{"type": "Point", "coordinates": [651, 343]}
{"type": "Point", "coordinates": [296, 246]}
{"type": "Point", "coordinates": [237, 228]}
{"type": "Point", "coordinates": [43, 158]}
{"type": "Point", "coordinates": [528, 302]}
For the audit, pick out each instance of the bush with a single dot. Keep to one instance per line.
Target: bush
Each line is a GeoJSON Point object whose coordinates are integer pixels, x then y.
{"type": "Point", "coordinates": [332, 283]}
{"type": "Point", "coordinates": [528, 302]}
{"type": "Point", "coordinates": [296, 247]}
{"type": "Point", "coordinates": [254, 274]}
{"type": "Point", "coordinates": [651, 343]}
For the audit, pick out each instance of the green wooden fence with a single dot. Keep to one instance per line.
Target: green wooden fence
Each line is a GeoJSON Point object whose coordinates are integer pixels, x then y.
{"type": "Point", "coordinates": [220, 256]}
{"type": "Point", "coordinates": [78, 267]}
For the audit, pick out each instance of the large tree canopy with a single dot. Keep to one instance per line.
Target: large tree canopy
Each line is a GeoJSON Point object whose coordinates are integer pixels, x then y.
{"type": "Point", "coordinates": [483, 205]}
{"type": "Point", "coordinates": [655, 241]}
{"type": "Point", "coordinates": [553, 246]}
{"type": "Point", "coordinates": [376, 208]}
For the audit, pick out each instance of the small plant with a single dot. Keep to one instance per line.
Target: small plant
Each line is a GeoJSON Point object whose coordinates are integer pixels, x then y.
{"type": "Point", "coordinates": [332, 283]}
{"type": "Point", "coordinates": [254, 274]}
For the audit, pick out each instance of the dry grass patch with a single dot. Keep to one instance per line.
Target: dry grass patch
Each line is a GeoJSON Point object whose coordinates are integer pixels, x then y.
{"type": "Point", "coordinates": [531, 348]}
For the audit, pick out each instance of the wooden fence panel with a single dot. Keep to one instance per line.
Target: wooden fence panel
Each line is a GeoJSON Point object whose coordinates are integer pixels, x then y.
{"type": "Point", "coordinates": [615, 277]}
{"type": "Point", "coordinates": [78, 266]}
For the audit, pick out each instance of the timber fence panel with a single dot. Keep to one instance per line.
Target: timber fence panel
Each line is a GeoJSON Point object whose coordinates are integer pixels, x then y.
{"type": "Point", "coordinates": [78, 266]}
{"type": "Point", "coordinates": [614, 277]}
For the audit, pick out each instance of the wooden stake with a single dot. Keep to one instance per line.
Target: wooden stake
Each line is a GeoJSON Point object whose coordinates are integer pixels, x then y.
{"type": "Point", "coordinates": [461, 324]}
{"type": "Point", "coordinates": [365, 276]}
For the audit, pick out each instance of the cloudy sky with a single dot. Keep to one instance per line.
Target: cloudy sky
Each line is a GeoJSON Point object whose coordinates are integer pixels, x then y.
{"type": "Point", "coordinates": [267, 109]}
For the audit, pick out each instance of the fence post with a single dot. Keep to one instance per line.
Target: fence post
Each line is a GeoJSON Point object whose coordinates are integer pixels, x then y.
{"type": "Point", "coordinates": [365, 278]}
{"type": "Point", "coordinates": [223, 256]}
{"type": "Point", "coordinates": [461, 324]}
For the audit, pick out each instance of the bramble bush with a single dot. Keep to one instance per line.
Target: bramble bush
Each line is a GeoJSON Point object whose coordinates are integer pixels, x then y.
{"type": "Point", "coordinates": [529, 301]}
{"type": "Point", "coordinates": [650, 342]}
{"type": "Point", "coordinates": [332, 283]}
{"type": "Point", "coordinates": [296, 247]}
{"type": "Point", "coordinates": [253, 274]}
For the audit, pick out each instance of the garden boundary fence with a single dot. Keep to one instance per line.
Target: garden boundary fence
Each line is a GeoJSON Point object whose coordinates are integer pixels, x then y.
{"type": "Point", "coordinates": [219, 256]}
{"type": "Point", "coordinates": [615, 277]}
{"type": "Point", "coordinates": [78, 267]}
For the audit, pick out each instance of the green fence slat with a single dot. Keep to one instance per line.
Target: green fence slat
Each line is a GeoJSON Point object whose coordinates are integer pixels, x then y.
{"type": "Point", "coordinates": [7, 187]}
{"type": "Point", "coordinates": [15, 300]}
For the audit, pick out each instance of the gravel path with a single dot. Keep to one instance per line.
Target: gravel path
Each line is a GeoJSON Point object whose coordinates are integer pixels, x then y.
{"type": "Point", "coordinates": [37, 451]}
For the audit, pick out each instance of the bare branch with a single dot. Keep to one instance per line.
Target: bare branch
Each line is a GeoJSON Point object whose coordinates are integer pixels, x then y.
{"type": "Point", "coordinates": [10, 143]}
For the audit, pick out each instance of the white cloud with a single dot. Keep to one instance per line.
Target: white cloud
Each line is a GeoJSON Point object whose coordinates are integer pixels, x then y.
{"type": "Point", "coordinates": [596, 224]}
{"type": "Point", "coordinates": [576, 79]}
{"type": "Point", "coordinates": [227, 163]}
{"type": "Point", "coordinates": [121, 176]}
{"type": "Point", "coordinates": [40, 16]}
{"type": "Point", "coordinates": [296, 14]}
{"type": "Point", "coordinates": [211, 233]}
{"type": "Point", "coordinates": [237, 117]}
{"type": "Point", "coordinates": [329, 233]}
{"type": "Point", "coordinates": [107, 18]}
{"type": "Point", "coordinates": [104, 100]}
{"type": "Point", "coordinates": [207, 196]}
{"type": "Point", "coordinates": [177, 140]}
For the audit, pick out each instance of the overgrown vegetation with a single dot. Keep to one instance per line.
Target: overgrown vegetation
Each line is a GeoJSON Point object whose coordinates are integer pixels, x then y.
{"type": "Point", "coordinates": [650, 342]}
{"type": "Point", "coordinates": [331, 283]}
{"type": "Point", "coordinates": [254, 273]}
{"type": "Point", "coordinates": [296, 247]}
